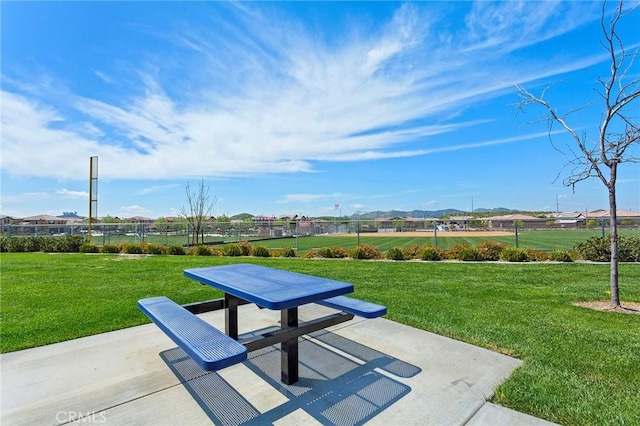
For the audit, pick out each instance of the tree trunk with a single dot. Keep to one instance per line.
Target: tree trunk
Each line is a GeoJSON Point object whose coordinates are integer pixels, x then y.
{"type": "Point", "coordinates": [613, 223]}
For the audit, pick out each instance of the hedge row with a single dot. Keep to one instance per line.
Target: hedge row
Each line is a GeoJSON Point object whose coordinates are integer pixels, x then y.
{"type": "Point", "coordinates": [487, 250]}
{"type": "Point", "coordinates": [66, 244]}
{"type": "Point", "coordinates": [243, 248]}
{"type": "Point", "coordinates": [594, 249]}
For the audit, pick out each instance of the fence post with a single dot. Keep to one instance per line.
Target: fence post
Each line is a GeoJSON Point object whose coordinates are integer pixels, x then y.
{"type": "Point", "coordinates": [516, 227]}
{"type": "Point", "coordinates": [602, 222]}
{"type": "Point", "coordinates": [435, 233]}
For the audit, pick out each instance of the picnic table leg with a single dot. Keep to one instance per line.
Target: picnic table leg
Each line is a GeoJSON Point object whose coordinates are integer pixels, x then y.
{"type": "Point", "coordinates": [231, 316]}
{"type": "Point", "coordinates": [289, 348]}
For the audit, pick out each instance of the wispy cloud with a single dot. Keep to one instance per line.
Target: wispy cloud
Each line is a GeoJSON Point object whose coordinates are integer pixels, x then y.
{"type": "Point", "coordinates": [270, 96]}
{"type": "Point", "coordinates": [510, 25]}
{"type": "Point", "coordinates": [134, 210]}
{"type": "Point", "coordinates": [307, 198]}
{"type": "Point", "coordinates": [72, 194]}
{"type": "Point", "coordinates": [157, 188]}
{"type": "Point", "coordinates": [104, 77]}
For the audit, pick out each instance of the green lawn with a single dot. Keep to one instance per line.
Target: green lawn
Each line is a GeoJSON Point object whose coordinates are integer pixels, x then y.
{"type": "Point", "coordinates": [580, 366]}
{"type": "Point", "coordinates": [536, 240]}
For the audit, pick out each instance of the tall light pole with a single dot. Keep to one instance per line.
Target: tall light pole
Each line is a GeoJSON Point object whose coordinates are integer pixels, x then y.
{"type": "Point", "coordinates": [93, 192]}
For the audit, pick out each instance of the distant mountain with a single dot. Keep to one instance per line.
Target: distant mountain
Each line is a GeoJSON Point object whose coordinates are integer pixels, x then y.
{"type": "Point", "coordinates": [241, 216]}
{"type": "Point", "coordinates": [403, 213]}
{"type": "Point", "coordinates": [495, 210]}
{"type": "Point", "coordinates": [428, 213]}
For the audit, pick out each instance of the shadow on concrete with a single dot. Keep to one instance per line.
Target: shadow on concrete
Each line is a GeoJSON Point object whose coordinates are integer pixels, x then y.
{"type": "Point", "coordinates": [334, 387]}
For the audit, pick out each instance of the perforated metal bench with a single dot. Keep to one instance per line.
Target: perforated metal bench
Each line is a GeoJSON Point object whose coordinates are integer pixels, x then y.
{"type": "Point", "coordinates": [354, 306]}
{"type": "Point", "coordinates": [209, 347]}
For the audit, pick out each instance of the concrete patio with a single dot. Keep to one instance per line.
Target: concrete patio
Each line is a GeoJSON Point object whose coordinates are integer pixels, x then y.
{"type": "Point", "coordinates": [359, 372]}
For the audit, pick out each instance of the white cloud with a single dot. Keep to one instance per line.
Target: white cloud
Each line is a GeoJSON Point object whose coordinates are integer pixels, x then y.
{"type": "Point", "coordinates": [510, 25]}
{"type": "Point", "coordinates": [158, 188]}
{"type": "Point", "coordinates": [306, 198]}
{"type": "Point", "coordinates": [270, 97]}
{"type": "Point", "coordinates": [72, 194]}
{"type": "Point", "coordinates": [134, 210]}
{"type": "Point", "coordinates": [104, 77]}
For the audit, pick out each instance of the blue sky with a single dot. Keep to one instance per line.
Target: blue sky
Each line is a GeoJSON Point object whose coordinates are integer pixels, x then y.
{"type": "Point", "coordinates": [296, 107]}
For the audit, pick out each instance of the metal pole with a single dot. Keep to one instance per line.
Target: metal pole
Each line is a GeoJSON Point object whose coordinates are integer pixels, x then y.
{"type": "Point", "coordinates": [93, 192]}
{"type": "Point", "coordinates": [435, 233]}
{"type": "Point", "coordinates": [516, 226]}
{"type": "Point", "coordinates": [90, 198]}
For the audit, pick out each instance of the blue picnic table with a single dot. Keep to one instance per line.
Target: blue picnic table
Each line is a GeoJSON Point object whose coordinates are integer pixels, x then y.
{"type": "Point", "coordinates": [268, 288]}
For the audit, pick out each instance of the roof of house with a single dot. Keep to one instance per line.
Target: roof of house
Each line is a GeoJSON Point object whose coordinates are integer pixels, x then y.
{"type": "Point", "coordinates": [46, 217]}
{"type": "Point", "coordinates": [516, 216]}
{"type": "Point", "coordinates": [619, 213]}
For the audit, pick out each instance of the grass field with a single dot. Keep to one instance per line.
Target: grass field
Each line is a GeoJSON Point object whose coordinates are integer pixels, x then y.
{"type": "Point", "coordinates": [580, 366]}
{"type": "Point", "coordinates": [536, 240]}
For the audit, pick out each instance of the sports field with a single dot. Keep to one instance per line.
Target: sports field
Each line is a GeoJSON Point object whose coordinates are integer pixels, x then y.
{"type": "Point", "coordinates": [547, 240]}
{"type": "Point", "coordinates": [536, 240]}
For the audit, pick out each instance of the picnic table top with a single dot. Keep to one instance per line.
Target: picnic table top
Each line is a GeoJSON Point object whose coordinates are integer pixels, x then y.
{"type": "Point", "coordinates": [268, 287]}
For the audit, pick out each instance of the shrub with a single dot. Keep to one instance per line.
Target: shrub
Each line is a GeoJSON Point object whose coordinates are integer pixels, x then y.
{"type": "Point", "coordinates": [260, 251]}
{"type": "Point", "coordinates": [595, 249]}
{"type": "Point", "coordinates": [51, 245]}
{"type": "Point", "coordinates": [470, 254]}
{"type": "Point", "coordinates": [395, 253]}
{"type": "Point", "coordinates": [3, 244]}
{"type": "Point", "coordinates": [232, 249]}
{"type": "Point", "coordinates": [134, 248]}
{"type": "Point", "coordinates": [16, 244]}
{"type": "Point", "coordinates": [452, 253]}
{"type": "Point", "coordinates": [87, 247]}
{"type": "Point", "coordinates": [560, 256]}
{"type": "Point", "coordinates": [325, 252]}
{"type": "Point", "coordinates": [69, 243]}
{"type": "Point", "coordinates": [491, 249]}
{"type": "Point", "coordinates": [33, 244]}
{"type": "Point", "coordinates": [365, 251]}
{"type": "Point", "coordinates": [176, 251]}
{"type": "Point", "coordinates": [357, 253]}
{"type": "Point", "coordinates": [537, 255]}
{"type": "Point", "coordinates": [514, 254]}
{"type": "Point", "coordinates": [216, 251]}
{"type": "Point", "coordinates": [333, 252]}
{"type": "Point", "coordinates": [202, 251]}
{"type": "Point", "coordinates": [312, 254]}
{"type": "Point", "coordinates": [246, 248]}
{"type": "Point", "coordinates": [111, 248]}
{"type": "Point", "coordinates": [287, 252]}
{"type": "Point", "coordinates": [629, 249]}
{"type": "Point", "coordinates": [430, 252]}
{"type": "Point", "coordinates": [339, 252]}
{"type": "Point", "coordinates": [157, 249]}
{"type": "Point", "coordinates": [412, 252]}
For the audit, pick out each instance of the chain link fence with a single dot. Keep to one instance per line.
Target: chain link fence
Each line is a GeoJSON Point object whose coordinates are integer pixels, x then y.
{"type": "Point", "coordinates": [180, 233]}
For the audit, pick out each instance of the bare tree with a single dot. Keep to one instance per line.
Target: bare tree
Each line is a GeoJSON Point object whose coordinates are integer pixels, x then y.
{"type": "Point", "coordinates": [200, 206]}
{"type": "Point", "coordinates": [599, 156]}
